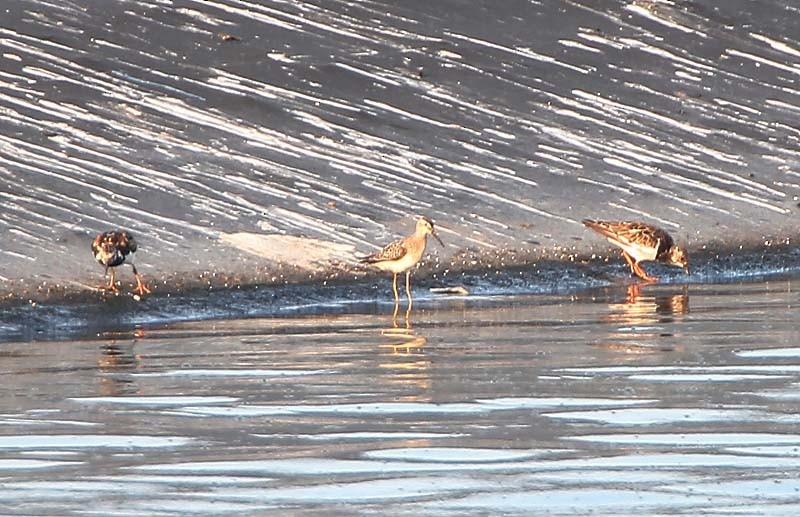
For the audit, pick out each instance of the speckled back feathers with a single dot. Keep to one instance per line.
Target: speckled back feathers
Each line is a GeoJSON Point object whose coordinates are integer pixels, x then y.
{"type": "Point", "coordinates": [112, 248]}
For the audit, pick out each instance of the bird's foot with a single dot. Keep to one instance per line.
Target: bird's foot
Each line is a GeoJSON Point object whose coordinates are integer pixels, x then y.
{"type": "Point", "coordinates": [109, 287]}
{"type": "Point", "coordinates": [142, 289]}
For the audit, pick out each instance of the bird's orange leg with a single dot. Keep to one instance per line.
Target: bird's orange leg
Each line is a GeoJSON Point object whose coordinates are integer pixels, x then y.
{"type": "Point", "coordinates": [630, 261]}
{"type": "Point", "coordinates": [111, 285]}
{"type": "Point", "coordinates": [141, 289]}
{"type": "Point", "coordinates": [641, 273]}
{"type": "Point", "coordinates": [394, 289]}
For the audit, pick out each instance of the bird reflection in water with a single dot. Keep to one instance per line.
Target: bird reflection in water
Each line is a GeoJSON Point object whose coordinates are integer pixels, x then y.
{"type": "Point", "coordinates": [397, 311]}
{"type": "Point", "coordinates": [640, 320]}
{"type": "Point", "coordinates": [403, 338]}
{"type": "Point", "coordinates": [115, 359]}
{"type": "Point", "coordinates": [405, 361]}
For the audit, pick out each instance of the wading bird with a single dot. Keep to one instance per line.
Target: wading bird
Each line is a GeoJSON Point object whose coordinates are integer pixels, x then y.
{"type": "Point", "coordinates": [403, 254]}
{"type": "Point", "coordinates": [112, 249]}
{"type": "Point", "coordinates": [641, 242]}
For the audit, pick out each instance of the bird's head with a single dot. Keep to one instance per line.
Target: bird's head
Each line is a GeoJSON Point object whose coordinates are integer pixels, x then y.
{"type": "Point", "coordinates": [425, 226]}
{"type": "Point", "coordinates": [679, 257]}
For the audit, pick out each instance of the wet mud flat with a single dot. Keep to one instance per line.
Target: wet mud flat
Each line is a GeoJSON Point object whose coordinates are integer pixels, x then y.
{"type": "Point", "coordinates": [211, 130]}
{"type": "Point", "coordinates": [619, 400]}
{"type": "Point", "coordinates": [473, 278]}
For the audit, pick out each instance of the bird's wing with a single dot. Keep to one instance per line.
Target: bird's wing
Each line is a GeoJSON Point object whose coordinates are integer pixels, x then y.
{"type": "Point", "coordinates": [97, 243]}
{"type": "Point", "coordinates": [394, 251]}
{"type": "Point", "coordinates": [640, 240]}
{"type": "Point", "coordinates": [126, 243]}
{"type": "Point", "coordinates": [627, 233]}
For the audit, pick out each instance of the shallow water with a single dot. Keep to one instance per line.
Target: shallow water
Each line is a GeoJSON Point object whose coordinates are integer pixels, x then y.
{"type": "Point", "coordinates": [662, 400]}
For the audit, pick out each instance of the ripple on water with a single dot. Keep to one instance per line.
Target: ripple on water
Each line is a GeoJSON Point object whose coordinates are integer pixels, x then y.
{"type": "Point", "coordinates": [330, 466]}
{"type": "Point", "coordinates": [156, 400]}
{"type": "Point", "coordinates": [656, 416]}
{"type": "Point", "coordinates": [239, 372]}
{"type": "Point", "coordinates": [790, 394]}
{"type": "Point", "coordinates": [706, 377]}
{"type": "Point", "coordinates": [691, 439]}
{"type": "Point", "coordinates": [773, 488]}
{"type": "Point", "coordinates": [16, 464]}
{"type": "Point", "coordinates": [768, 450]}
{"type": "Point", "coordinates": [360, 491]}
{"type": "Point", "coordinates": [75, 441]}
{"type": "Point", "coordinates": [770, 353]}
{"type": "Point", "coordinates": [453, 454]}
{"type": "Point", "coordinates": [480, 406]}
{"type": "Point", "coordinates": [578, 501]}
{"type": "Point", "coordinates": [365, 436]}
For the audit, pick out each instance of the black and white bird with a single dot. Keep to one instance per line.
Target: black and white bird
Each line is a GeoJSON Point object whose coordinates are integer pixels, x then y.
{"type": "Point", "coordinates": [112, 249]}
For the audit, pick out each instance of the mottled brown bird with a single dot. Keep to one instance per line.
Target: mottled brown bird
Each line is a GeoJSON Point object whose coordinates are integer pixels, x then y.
{"type": "Point", "coordinates": [641, 242]}
{"type": "Point", "coordinates": [401, 255]}
{"type": "Point", "coordinates": [115, 248]}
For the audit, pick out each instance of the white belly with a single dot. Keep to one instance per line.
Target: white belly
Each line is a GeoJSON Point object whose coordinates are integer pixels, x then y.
{"type": "Point", "coordinates": [398, 266]}
{"type": "Point", "coordinates": [639, 253]}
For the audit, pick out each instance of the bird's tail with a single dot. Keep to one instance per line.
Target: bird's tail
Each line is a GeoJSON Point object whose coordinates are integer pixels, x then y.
{"type": "Point", "coordinates": [600, 227]}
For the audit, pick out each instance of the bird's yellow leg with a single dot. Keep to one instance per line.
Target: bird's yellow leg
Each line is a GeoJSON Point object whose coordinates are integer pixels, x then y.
{"type": "Point", "coordinates": [408, 289]}
{"type": "Point", "coordinates": [394, 288]}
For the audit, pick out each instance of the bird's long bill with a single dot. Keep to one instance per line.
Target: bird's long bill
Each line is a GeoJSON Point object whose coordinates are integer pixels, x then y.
{"type": "Point", "coordinates": [436, 236]}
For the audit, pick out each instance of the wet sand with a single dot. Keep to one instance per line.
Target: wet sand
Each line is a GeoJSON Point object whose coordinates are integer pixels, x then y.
{"type": "Point", "coordinates": [656, 400]}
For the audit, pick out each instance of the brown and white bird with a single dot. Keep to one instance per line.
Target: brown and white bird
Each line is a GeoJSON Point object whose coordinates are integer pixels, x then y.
{"type": "Point", "coordinates": [403, 254]}
{"type": "Point", "coordinates": [114, 248]}
{"type": "Point", "coordinates": [641, 242]}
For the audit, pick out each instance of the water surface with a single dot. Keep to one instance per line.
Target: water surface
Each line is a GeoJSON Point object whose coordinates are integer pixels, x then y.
{"type": "Point", "coordinates": [655, 400]}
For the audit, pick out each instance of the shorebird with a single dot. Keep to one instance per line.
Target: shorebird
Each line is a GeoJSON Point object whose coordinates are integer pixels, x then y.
{"type": "Point", "coordinates": [640, 242]}
{"type": "Point", "coordinates": [401, 255]}
{"type": "Point", "coordinates": [114, 248]}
